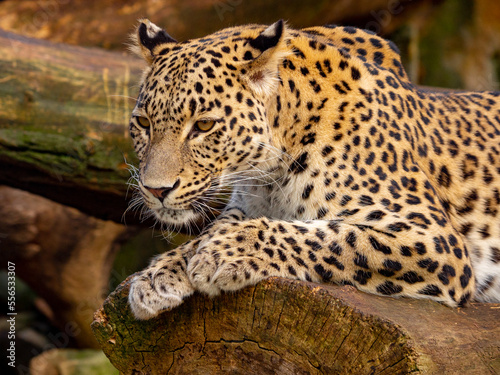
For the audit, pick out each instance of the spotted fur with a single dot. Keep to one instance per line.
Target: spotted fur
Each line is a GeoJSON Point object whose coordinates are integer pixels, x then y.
{"type": "Point", "coordinates": [342, 170]}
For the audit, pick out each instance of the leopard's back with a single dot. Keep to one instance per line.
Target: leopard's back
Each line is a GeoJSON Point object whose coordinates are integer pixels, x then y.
{"type": "Point", "coordinates": [342, 170]}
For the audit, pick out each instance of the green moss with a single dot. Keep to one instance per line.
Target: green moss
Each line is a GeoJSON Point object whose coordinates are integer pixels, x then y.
{"type": "Point", "coordinates": [79, 362]}
{"type": "Point", "coordinates": [78, 157]}
{"type": "Point", "coordinates": [43, 142]}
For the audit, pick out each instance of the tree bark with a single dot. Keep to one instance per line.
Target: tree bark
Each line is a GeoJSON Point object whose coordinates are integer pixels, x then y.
{"type": "Point", "coordinates": [282, 326]}
{"type": "Point", "coordinates": [63, 118]}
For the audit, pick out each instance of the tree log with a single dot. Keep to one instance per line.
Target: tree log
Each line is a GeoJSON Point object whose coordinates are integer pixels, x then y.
{"type": "Point", "coordinates": [282, 326]}
{"type": "Point", "coordinates": [63, 118]}
{"type": "Point", "coordinates": [64, 255]}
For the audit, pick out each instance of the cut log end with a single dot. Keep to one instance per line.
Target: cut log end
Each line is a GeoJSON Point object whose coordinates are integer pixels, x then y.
{"type": "Point", "coordinates": [282, 326]}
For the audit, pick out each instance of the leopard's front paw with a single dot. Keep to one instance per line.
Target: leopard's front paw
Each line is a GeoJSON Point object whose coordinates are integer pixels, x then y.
{"type": "Point", "coordinates": [155, 291]}
{"type": "Point", "coordinates": [212, 274]}
{"type": "Point", "coordinates": [201, 270]}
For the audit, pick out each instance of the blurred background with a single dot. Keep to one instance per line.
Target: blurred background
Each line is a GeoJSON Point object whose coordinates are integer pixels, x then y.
{"type": "Point", "coordinates": [444, 43]}
{"type": "Point", "coordinates": [447, 43]}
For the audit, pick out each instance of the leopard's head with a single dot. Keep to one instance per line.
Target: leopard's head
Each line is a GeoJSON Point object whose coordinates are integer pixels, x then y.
{"type": "Point", "coordinates": [201, 113]}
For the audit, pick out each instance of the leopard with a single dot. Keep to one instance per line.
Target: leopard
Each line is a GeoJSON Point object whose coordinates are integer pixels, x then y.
{"type": "Point", "coordinates": [340, 170]}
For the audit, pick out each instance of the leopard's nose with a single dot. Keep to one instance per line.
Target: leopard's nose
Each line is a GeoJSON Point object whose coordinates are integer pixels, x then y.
{"type": "Point", "coordinates": [162, 192]}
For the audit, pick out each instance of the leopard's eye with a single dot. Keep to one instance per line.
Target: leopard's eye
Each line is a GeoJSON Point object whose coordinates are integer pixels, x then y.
{"type": "Point", "coordinates": [204, 125]}
{"type": "Point", "coordinates": [143, 121]}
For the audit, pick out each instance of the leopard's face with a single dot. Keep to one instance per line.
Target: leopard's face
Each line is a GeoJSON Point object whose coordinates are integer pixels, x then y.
{"type": "Point", "coordinates": [199, 120]}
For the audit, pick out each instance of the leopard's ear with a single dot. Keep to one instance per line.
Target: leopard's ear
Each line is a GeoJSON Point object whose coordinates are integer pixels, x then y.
{"type": "Point", "coordinates": [270, 46]}
{"type": "Point", "coordinates": [147, 37]}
